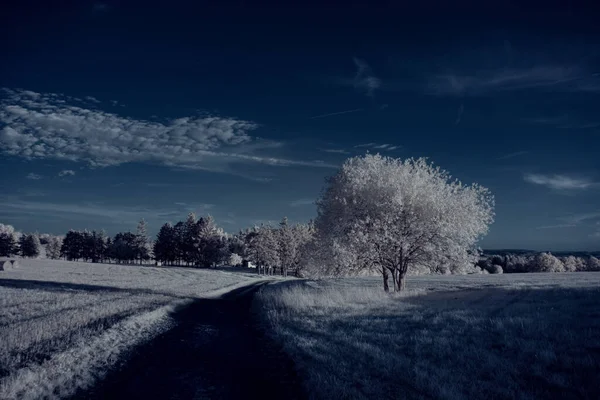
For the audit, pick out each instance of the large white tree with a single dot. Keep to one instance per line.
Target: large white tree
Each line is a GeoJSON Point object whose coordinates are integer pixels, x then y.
{"type": "Point", "coordinates": [395, 215]}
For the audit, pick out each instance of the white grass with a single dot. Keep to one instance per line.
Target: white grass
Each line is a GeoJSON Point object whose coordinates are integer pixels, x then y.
{"type": "Point", "coordinates": [512, 336]}
{"type": "Point", "coordinates": [63, 324]}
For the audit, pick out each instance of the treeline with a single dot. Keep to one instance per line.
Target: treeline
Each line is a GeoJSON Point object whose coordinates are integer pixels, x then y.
{"type": "Point", "coordinates": [194, 242]}
{"type": "Point", "coordinates": [537, 262]}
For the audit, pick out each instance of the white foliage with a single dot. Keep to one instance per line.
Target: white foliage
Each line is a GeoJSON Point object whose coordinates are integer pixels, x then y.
{"type": "Point", "coordinates": [394, 215]}
{"type": "Point", "coordinates": [235, 259]}
{"type": "Point", "coordinates": [546, 262]}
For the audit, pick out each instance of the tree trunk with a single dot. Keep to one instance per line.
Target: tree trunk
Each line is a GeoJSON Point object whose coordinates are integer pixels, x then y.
{"type": "Point", "coordinates": [400, 281]}
{"type": "Point", "coordinates": [386, 286]}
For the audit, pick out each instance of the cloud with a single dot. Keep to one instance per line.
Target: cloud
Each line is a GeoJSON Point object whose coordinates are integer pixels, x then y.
{"type": "Point", "coordinates": [113, 213]}
{"type": "Point", "coordinates": [33, 176]}
{"type": "Point", "coordinates": [66, 172]}
{"type": "Point", "coordinates": [336, 113]}
{"type": "Point", "coordinates": [582, 218]}
{"type": "Point", "coordinates": [558, 226]}
{"type": "Point", "coordinates": [548, 77]}
{"type": "Point", "coordinates": [364, 80]}
{"type": "Point", "coordinates": [559, 182]}
{"type": "Point", "coordinates": [375, 146]}
{"type": "Point", "coordinates": [92, 99]}
{"type": "Point", "coordinates": [335, 151]}
{"type": "Point", "coordinates": [563, 122]}
{"type": "Point", "coordinates": [513, 155]}
{"type": "Point", "coordinates": [44, 126]}
{"type": "Point", "coordinates": [302, 202]}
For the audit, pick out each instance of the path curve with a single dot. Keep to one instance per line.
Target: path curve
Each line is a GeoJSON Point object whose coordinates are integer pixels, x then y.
{"type": "Point", "coordinates": [215, 351]}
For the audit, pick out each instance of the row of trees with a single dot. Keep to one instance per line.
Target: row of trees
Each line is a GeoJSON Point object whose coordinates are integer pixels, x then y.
{"type": "Point", "coordinates": [97, 246]}
{"type": "Point", "coordinates": [13, 242]}
{"type": "Point", "coordinates": [537, 262]}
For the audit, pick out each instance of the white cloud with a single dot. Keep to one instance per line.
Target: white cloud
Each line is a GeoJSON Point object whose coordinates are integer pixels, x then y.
{"type": "Point", "coordinates": [302, 202]}
{"type": "Point", "coordinates": [364, 80]}
{"type": "Point", "coordinates": [548, 77]}
{"type": "Point", "coordinates": [66, 172]}
{"type": "Point", "coordinates": [33, 176]}
{"type": "Point", "coordinates": [559, 182]}
{"type": "Point", "coordinates": [44, 126]}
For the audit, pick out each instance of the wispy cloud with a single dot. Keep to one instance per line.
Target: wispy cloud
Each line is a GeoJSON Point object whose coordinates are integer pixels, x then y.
{"type": "Point", "coordinates": [43, 126]}
{"type": "Point", "coordinates": [92, 99]}
{"type": "Point", "coordinates": [559, 182]}
{"type": "Point", "coordinates": [513, 155]}
{"type": "Point", "coordinates": [302, 202]}
{"type": "Point", "coordinates": [337, 113]}
{"type": "Point", "coordinates": [66, 172]}
{"type": "Point", "coordinates": [376, 146]}
{"type": "Point", "coordinates": [582, 218]}
{"type": "Point", "coordinates": [113, 213]}
{"type": "Point", "coordinates": [335, 151]}
{"type": "Point", "coordinates": [365, 80]}
{"type": "Point", "coordinates": [576, 220]}
{"type": "Point", "coordinates": [563, 122]}
{"type": "Point", "coordinates": [547, 77]}
{"type": "Point", "coordinates": [33, 176]}
{"type": "Point", "coordinates": [557, 226]}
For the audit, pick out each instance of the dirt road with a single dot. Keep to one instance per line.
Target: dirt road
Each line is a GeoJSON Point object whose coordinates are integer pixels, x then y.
{"type": "Point", "coordinates": [216, 351]}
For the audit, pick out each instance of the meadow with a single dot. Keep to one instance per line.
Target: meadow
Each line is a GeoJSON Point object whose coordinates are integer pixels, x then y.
{"type": "Point", "coordinates": [511, 336]}
{"type": "Point", "coordinates": [64, 324]}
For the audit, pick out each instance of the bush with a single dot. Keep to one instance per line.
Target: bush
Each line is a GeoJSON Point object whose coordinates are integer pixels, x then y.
{"type": "Point", "coordinates": [496, 269]}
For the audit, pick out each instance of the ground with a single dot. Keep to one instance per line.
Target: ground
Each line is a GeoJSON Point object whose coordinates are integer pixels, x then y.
{"type": "Point", "coordinates": [517, 336]}
{"type": "Point", "coordinates": [65, 325]}
{"type": "Point", "coordinates": [78, 330]}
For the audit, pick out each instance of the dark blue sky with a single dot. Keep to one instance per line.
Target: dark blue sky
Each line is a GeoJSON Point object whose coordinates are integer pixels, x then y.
{"type": "Point", "coordinates": [112, 111]}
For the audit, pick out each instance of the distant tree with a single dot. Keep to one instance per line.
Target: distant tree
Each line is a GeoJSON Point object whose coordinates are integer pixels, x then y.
{"type": "Point", "coordinates": [593, 264]}
{"type": "Point", "coordinates": [30, 245]}
{"type": "Point", "coordinates": [8, 241]}
{"type": "Point", "coordinates": [180, 240]}
{"type": "Point", "coordinates": [263, 246]}
{"type": "Point", "coordinates": [400, 214]}
{"type": "Point", "coordinates": [72, 246]}
{"type": "Point", "coordinates": [124, 247]}
{"type": "Point", "coordinates": [573, 264]}
{"type": "Point", "coordinates": [546, 262]}
{"type": "Point", "coordinates": [53, 246]}
{"type": "Point", "coordinates": [143, 244]}
{"type": "Point", "coordinates": [292, 243]}
{"type": "Point", "coordinates": [516, 263]}
{"type": "Point", "coordinates": [210, 243]}
{"type": "Point", "coordinates": [165, 246]}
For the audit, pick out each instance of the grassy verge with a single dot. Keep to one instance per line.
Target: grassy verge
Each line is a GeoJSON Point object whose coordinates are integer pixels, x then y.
{"type": "Point", "coordinates": [503, 341]}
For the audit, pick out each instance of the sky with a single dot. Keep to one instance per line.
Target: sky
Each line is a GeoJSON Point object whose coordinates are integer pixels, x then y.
{"type": "Point", "coordinates": [119, 110]}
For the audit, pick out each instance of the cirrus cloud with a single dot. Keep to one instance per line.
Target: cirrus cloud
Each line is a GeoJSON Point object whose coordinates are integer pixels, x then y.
{"type": "Point", "coordinates": [559, 182]}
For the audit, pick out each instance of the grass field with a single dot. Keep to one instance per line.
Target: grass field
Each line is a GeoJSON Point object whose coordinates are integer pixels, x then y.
{"type": "Point", "coordinates": [511, 336]}
{"type": "Point", "coordinates": [63, 324]}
